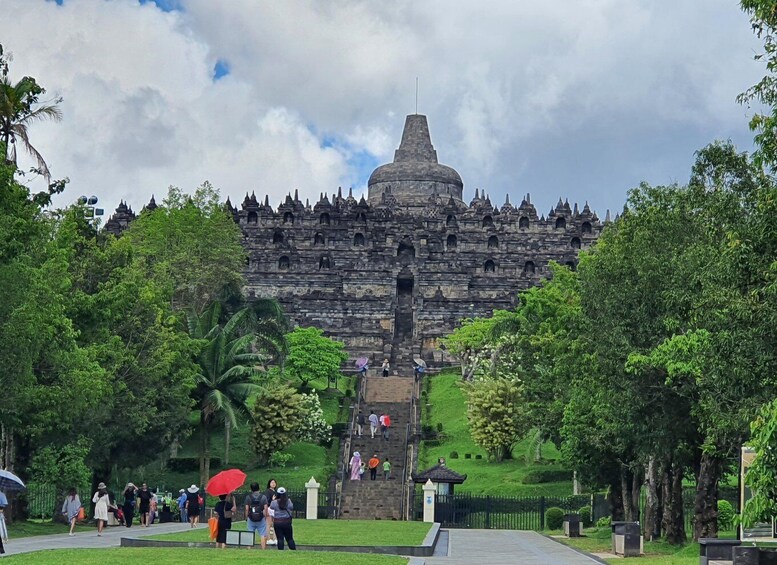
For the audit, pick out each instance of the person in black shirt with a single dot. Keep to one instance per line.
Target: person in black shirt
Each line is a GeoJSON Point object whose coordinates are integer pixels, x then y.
{"type": "Point", "coordinates": [128, 507]}
{"type": "Point", "coordinates": [144, 496]}
{"type": "Point", "coordinates": [270, 495]}
{"type": "Point", "coordinates": [193, 505]}
{"type": "Point", "coordinates": [224, 509]}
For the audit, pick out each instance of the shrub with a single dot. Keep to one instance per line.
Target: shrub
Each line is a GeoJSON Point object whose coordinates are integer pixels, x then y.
{"type": "Point", "coordinates": [554, 518]}
{"type": "Point", "coordinates": [539, 476]}
{"type": "Point", "coordinates": [432, 442]}
{"type": "Point", "coordinates": [725, 515]}
{"type": "Point", "coordinates": [454, 455]}
{"type": "Point", "coordinates": [348, 393]}
{"type": "Point", "coordinates": [188, 464]}
{"type": "Point", "coordinates": [467, 456]}
{"type": "Point", "coordinates": [439, 426]}
{"type": "Point", "coordinates": [478, 456]}
{"type": "Point", "coordinates": [279, 459]}
{"type": "Point", "coordinates": [604, 522]}
{"type": "Point", "coordinates": [585, 516]}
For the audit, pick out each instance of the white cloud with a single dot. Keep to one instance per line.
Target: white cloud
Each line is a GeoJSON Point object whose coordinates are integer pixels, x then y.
{"type": "Point", "coordinates": [580, 98]}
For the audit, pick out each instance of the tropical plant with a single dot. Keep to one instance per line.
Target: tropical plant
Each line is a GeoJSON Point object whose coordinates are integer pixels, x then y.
{"type": "Point", "coordinates": [229, 366]}
{"type": "Point", "coordinates": [19, 108]}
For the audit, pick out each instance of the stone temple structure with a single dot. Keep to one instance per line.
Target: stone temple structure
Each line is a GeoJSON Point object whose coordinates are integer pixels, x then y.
{"type": "Point", "coordinates": [392, 274]}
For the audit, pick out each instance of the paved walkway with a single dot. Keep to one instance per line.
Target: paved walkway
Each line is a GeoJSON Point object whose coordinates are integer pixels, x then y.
{"type": "Point", "coordinates": [86, 536]}
{"type": "Point", "coordinates": [507, 547]}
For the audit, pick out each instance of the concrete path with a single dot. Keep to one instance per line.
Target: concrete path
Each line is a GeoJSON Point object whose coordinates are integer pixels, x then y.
{"type": "Point", "coordinates": [507, 547]}
{"type": "Point", "coordinates": [86, 537]}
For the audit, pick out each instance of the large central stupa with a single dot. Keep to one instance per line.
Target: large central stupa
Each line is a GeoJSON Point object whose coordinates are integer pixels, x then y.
{"type": "Point", "coordinates": [415, 175]}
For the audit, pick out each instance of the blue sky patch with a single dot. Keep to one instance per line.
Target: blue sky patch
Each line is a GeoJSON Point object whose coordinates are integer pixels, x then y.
{"type": "Point", "coordinates": [164, 5]}
{"type": "Point", "coordinates": [220, 69]}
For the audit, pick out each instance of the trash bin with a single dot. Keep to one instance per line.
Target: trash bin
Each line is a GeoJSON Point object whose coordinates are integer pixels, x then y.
{"type": "Point", "coordinates": [573, 527]}
{"type": "Point", "coordinates": [714, 551]}
{"type": "Point", "coordinates": [626, 539]}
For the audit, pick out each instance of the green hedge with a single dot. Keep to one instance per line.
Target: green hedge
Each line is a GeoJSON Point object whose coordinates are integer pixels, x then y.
{"type": "Point", "coordinates": [554, 518]}
{"type": "Point", "coordinates": [540, 476]}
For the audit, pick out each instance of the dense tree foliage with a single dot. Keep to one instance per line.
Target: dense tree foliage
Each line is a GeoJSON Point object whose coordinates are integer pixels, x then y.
{"type": "Point", "coordinates": [313, 356]}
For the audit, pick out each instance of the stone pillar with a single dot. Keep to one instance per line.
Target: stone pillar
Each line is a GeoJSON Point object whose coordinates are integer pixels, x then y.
{"type": "Point", "coordinates": [429, 492]}
{"type": "Point", "coordinates": [311, 510]}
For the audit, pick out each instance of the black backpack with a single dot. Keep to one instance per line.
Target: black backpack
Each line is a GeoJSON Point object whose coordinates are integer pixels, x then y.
{"type": "Point", "coordinates": [256, 508]}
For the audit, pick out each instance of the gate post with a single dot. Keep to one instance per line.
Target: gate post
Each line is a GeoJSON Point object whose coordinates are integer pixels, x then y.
{"type": "Point", "coordinates": [429, 489]}
{"type": "Point", "coordinates": [542, 513]}
{"type": "Point", "coordinates": [311, 510]}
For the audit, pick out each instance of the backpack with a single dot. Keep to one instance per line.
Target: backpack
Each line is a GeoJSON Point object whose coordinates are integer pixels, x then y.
{"type": "Point", "coordinates": [256, 508]}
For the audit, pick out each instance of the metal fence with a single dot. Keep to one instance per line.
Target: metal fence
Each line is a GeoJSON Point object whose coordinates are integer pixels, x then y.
{"type": "Point", "coordinates": [465, 510]}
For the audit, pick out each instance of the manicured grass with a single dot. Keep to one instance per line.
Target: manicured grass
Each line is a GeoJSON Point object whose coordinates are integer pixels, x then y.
{"type": "Point", "coordinates": [29, 528]}
{"type": "Point", "coordinates": [656, 552]}
{"type": "Point", "coordinates": [334, 532]}
{"type": "Point", "coordinates": [175, 556]}
{"type": "Point", "coordinates": [444, 403]}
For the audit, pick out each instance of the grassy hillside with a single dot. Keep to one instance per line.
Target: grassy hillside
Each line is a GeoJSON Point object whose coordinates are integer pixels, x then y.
{"type": "Point", "coordinates": [308, 460]}
{"type": "Point", "coordinates": [443, 402]}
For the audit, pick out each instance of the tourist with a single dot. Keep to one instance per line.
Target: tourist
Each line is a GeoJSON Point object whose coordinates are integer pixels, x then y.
{"type": "Point", "coordinates": [386, 469]}
{"type": "Point", "coordinates": [385, 424]}
{"type": "Point", "coordinates": [373, 466]}
{"type": "Point", "coordinates": [256, 513]}
{"type": "Point", "coordinates": [224, 510]}
{"type": "Point", "coordinates": [362, 470]}
{"type": "Point", "coordinates": [359, 424]}
{"type": "Point", "coordinates": [182, 505]}
{"type": "Point", "coordinates": [3, 527]}
{"type": "Point", "coordinates": [271, 495]}
{"type": "Point", "coordinates": [282, 508]}
{"type": "Point", "coordinates": [193, 505]}
{"type": "Point", "coordinates": [419, 370]}
{"type": "Point", "coordinates": [385, 367]}
{"type": "Point", "coordinates": [101, 504]}
{"type": "Point", "coordinates": [373, 423]}
{"type": "Point", "coordinates": [144, 498]}
{"type": "Point", "coordinates": [363, 370]}
{"type": "Point", "coordinates": [130, 500]}
{"type": "Point", "coordinates": [71, 508]}
{"type": "Point", "coordinates": [153, 505]}
{"type": "Point", "coordinates": [356, 463]}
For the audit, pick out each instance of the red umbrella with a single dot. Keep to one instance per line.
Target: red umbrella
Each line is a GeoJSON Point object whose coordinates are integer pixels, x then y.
{"type": "Point", "coordinates": [225, 482]}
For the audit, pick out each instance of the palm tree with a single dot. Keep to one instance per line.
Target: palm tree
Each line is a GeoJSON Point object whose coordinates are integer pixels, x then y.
{"type": "Point", "coordinates": [232, 357]}
{"type": "Point", "coordinates": [18, 109]}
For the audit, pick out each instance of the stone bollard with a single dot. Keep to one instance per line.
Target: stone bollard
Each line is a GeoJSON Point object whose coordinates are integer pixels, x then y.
{"type": "Point", "coordinates": [429, 491]}
{"type": "Point", "coordinates": [573, 527]}
{"type": "Point", "coordinates": [311, 510]}
{"type": "Point", "coordinates": [746, 555]}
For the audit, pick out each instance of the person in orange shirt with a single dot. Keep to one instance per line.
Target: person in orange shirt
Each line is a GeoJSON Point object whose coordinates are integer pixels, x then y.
{"type": "Point", "coordinates": [373, 466]}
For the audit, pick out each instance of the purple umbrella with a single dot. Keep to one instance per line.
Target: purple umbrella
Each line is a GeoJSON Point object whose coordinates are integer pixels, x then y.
{"type": "Point", "coordinates": [361, 362]}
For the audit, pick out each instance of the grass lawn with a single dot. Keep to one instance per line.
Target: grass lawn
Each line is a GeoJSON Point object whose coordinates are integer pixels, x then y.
{"type": "Point", "coordinates": [656, 552]}
{"type": "Point", "coordinates": [29, 528]}
{"type": "Point", "coordinates": [334, 532]}
{"type": "Point", "coordinates": [175, 556]}
{"type": "Point", "coordinates": [444, 403]}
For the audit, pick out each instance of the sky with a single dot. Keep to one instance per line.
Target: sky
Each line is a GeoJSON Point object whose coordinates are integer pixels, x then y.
{"type": "Point", "coordinates": [578, 99]}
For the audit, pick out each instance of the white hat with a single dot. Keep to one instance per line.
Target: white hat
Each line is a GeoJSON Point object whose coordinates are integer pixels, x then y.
{"type": "Point", "coordinates": [281, 490]}
{"type": "Point", "coordinates": [101, 486]}
{"type": "Point", "coordinates": [182, 490]}
{"type": "Point", "coordinates": [192, 489]}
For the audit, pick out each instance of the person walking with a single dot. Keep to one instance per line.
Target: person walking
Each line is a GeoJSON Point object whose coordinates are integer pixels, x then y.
{"type": "Point", "coordinates": [193, 505]}
{"type": "Point", "coordinates": [386, 469]}
{"type": "Point", "coordinates": [144, 507]}
{"type": "Point", "coordinates": [71, 508]}
{"type": "Point", "coordinates": [101, 504]}
{"type": "Point", "coordinates": [3, 527]}
{"type": "Point", "coordinates": [153, 506]}
{"type": "Point", "coordinates": [182, 505]}
{"type": "Point", "coordinates": [224, 510]}
{"type": "Point", "coordinates": [130, 503]}
{"type": "Point", "coordinates": [271, 495]}
{"type": "Point", "coordinates": [359, 423]}
{"type": "Point", "coordinates": [385, 421]}
{"type": "Point", "coordinates": [385, 367]}
{"type": "Point", "coordinates": [373, 423]}
{"type": "Point", "coordinates": [256, 513]}
{"type": "Point", "coordinates": [372, 465]}
{"type": "Point", "coordinates": [356, 463]}
{"type": "Point", "coordinates": [282, 508]}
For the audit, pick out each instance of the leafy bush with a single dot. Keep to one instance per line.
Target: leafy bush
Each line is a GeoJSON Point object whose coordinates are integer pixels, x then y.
{"type": "Point", "coordinates": [279, 459]}
{"type": "Point", "coordinates": [432, 442]}
{"type": "Point", "coordinates": [725, 515]}
{"type": "Point", "coordinates": [585, 516]}
{"type": "Point", "coordinates": [554, 518]}
{"type": "Point", "coordinates": [540, 476]}
{"type": "Point", "coordinates": [188, 464]}
{"type": "Point", "coordinates": [604, 522]}
{"type": "Point", "coordinates": [454, 455]}
{"type": "Point", "coordinates": [478, 456]}
{"type": "Point", "coordinates": [467, 456]}
{"type": "Point", "coordinates": [439, 426]}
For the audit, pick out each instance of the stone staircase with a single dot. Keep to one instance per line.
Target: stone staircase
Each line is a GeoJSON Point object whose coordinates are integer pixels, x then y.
{"type": "Point", "coordinates": [380, 499]}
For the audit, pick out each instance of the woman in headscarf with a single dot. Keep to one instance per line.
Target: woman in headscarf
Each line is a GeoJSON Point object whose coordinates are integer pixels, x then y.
{"type": "Point", "coordinates": [101, 504]}
{"type": "Point", "coordinates": [356, 463]}
{"type": "Point", "coordinates": [70, 508]}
